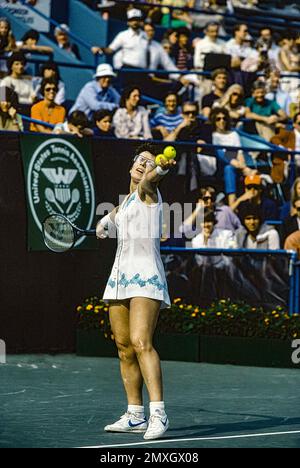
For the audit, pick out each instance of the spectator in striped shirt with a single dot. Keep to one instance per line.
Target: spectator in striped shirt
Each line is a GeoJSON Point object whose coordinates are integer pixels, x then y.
{"type": "Point", "coordinates": [183, 53]}
{"type": "Point", "coordinates": [167, 118]}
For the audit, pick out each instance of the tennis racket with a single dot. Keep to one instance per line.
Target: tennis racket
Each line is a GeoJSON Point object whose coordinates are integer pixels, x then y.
{"type": "Point", "coordinates": [60, 235]}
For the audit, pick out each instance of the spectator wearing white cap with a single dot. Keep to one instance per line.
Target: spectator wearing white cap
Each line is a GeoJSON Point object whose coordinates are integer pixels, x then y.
{"type": "Point", "coordinates": [132, 44]}
{"type": "Point", "coordinates": [61, 34]}
{"type": "Point", "coordinates": [98, 94]}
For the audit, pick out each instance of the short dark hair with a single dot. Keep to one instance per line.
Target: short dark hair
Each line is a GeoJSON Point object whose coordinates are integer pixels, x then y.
{"type": "Point", "coordinates": [150, 147]}
{"type": "Point", "coordinates": [101, 114]}
{"type": "Point", "coordinates": [263, 28]}
{"type": "Point", "coordinates": [78, 118]}
{"type": "Point", "coordinates": [219, 71]}
{"type": "Point", "coordinates": [183, 31]}
{"type": "Point", "coordinates": [250, 209]}
{"type": "Point", "coordinates": [172, 93]}
{"type": "Point", "coordinates": [126, 94]}
{"type": "Point", "coordinates": [237, 27]}
{"type": "Point", "coordinates": [50, 66]}
{"type": "Point", "coordinates": [15, 57]}
{"type": "Point", "coordinates": [153, 149]}
{"type": "Point", "coordinates": [31, 34]}
{"type": "Point", "coordinates": [191, 103]}
{"type": "Point", "coordinates": [211, 23]}
{"type": "Point", "coordinates": [47, 81]}
{"type": "Point", "coordinates": [258, 84]}
{"type": "Point", "coordinates": [213, 117]}
{"type": "Point", "coordinates": [209, 216]}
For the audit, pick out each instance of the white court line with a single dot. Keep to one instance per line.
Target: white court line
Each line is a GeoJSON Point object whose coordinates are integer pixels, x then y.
{"type": "Point", "coordinates": [166, 441]}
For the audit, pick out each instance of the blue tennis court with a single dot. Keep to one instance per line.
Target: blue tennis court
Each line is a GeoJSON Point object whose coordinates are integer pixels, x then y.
{"type": "Point", "coordinates": [65, 401]}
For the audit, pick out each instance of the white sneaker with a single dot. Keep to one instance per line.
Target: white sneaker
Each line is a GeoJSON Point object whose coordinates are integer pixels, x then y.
{"type": "Point", "coordinates": [158, 424]}
{"type": "Point", "coordinates": [129, 422]}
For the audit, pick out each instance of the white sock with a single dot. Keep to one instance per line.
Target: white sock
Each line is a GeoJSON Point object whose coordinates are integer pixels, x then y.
{"type": "Point", "coordinates": [137, 410]}
{"type": "Point", "coordinates": [157, 406]}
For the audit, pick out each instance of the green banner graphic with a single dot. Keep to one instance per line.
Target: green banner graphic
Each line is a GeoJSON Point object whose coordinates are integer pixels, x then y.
{"type": "Point", "coordinates": [59, 179]}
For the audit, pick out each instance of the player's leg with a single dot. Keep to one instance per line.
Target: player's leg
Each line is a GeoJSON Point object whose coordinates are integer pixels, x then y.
{"type": "Point", "coordinates": [143, 315]}
{"type": "Point", "coordinates": [130, 370]}
{"type": "Point", "coordinates": [134, 418]}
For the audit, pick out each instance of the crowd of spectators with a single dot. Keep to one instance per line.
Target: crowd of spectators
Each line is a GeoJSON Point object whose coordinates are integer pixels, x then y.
{"type": "Point", "coordinates": [248, 83]}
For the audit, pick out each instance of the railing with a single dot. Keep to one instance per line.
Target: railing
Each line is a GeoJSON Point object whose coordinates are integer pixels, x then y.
{"type": "Point", "coordinates": [192, 145]}
{"type": "Point", "coordinates": [294, 264]}
{"type": "Point", "coordinates": [289, 20]}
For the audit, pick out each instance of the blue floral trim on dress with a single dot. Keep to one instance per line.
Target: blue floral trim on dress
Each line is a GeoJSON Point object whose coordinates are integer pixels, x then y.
{"type": "Point", "coordinates": [111, 283]}
{"type": "Point", "coordinates": [136, 279]}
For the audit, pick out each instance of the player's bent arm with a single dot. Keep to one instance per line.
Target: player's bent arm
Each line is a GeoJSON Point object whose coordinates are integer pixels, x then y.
{"type": "Point", "coordinates": [106, 224]}
{"type": "Point", "coordinates": [152, 178]}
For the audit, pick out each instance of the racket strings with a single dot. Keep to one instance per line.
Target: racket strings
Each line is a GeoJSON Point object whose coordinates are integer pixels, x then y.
{"type": "Point", "coordinates": [59, 234]}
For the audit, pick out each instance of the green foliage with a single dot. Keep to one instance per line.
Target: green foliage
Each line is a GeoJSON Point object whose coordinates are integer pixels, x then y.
{"type": "Point", "coordinates": [224, 318]}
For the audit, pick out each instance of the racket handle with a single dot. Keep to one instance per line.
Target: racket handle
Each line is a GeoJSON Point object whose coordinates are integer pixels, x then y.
{"type": "Point", "coordinates": [86, 232]}
{"type": "Point", "coordinates": [90, 232]}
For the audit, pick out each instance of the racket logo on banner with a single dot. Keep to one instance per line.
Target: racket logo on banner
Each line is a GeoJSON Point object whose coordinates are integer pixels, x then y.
{"type": "Point", "coordinates": [59, 182]}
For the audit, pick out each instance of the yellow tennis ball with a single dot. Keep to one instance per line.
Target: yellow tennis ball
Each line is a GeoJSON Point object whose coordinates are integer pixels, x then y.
{"type": "Point", "coordinates": [159, 158]}
{"type": "Point", "coordinates": [170, 152]}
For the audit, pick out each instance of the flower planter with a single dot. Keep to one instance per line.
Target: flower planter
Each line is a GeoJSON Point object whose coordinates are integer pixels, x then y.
{"type": "Point", "coordinates": [254, 351]}
{"type": "Point", "coordinates": [170, 347]}
{"type": "Point", "coordinates": [176, 347]}
{"type": "Point", "coordinates": [258, 352]}
{"type": "Point", "coordinates": [93, 343]}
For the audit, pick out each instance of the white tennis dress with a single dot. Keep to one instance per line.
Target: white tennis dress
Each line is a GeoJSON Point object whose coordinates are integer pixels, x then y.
{"type": "Point", "coordinates": [138, 270]}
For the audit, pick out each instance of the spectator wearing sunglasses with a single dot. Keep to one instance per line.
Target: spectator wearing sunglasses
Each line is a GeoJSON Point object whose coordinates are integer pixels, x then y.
{"type": "Point", "coordinates": [233, 102]}
{"type": "Point", "coordinates": [254, 194]}
{"type": "Point", "coordinates": [230, 160]}
{"type": "Point", "coordinates": [46, 110]}
{"type": "Point", "coordinates": [292, 223]}
{"type": "Point", "coordinates": [191, 128]}
{"type": "Point", "coordinates": [255, 234]}
{"type": "Point", "coordinates": [225, 217]}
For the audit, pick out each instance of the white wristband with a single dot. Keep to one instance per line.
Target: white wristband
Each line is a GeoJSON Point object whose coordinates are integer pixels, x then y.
{"type": "Point", "coordinates": [160, 171]}
{"type": "Point", "coordinates": [107, 224]}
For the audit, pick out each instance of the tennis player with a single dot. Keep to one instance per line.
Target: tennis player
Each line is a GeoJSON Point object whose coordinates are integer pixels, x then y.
{"type": "Point", "coordinates": [136, 291]}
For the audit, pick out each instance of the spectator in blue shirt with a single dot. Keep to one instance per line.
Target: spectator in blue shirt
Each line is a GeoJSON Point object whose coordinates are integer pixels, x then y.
{"type": "Point", "coordinates": [98, 94]}
{"type": "Point", "coordinates": [167, 118]}
{"type": "Point", "coordinates": [265, 113]}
